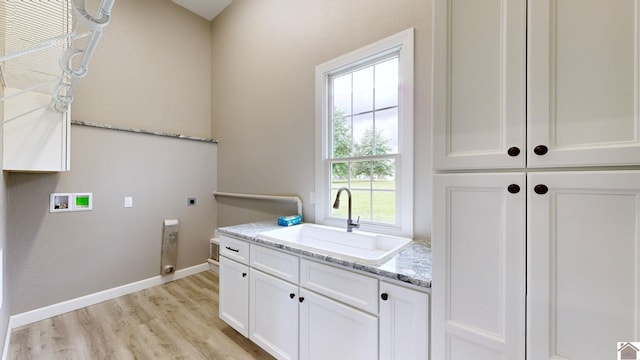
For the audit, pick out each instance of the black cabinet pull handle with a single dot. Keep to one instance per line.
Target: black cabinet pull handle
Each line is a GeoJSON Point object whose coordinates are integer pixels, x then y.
{"type": "Point", "coordinates": [513, 151]}
{"type": "Point", "coordinates": [292, 295]}
{"type": "Point", "coordinates": [301, 298]}
{"type": "Point", "coordinates": [541, 189]}
{"type": "Point", "coordinates": [244, 274]}
{"type": "Point", "coordinates": [540, 150]}
{"type": "Point", "coordinates": [513, 188]}
{"type": "Point", "coordinates": [232, 249]}
{"type": "Point", "coordinates": [384, 296]}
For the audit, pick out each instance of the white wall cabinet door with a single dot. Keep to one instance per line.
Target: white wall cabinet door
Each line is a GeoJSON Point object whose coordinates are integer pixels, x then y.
{"type": "Point", "coordinates": [583, 264]}
{"type": "Point", "coordinates": [478, 291]}
{"type": "Point", "coordinates": [36, 137]}
{"type": "Point", "coordinates": [234, 295]}
{"type": "Point", "coordinates": [479, 84]}
{"type": "Point", "coordinates": [404, 323]}
{"type": "Point", "coordinates": [583, 91]}
{"type": "Point", "coordinates": [331, 330]}
{"type": "Point", "coordinates": [273, 315]}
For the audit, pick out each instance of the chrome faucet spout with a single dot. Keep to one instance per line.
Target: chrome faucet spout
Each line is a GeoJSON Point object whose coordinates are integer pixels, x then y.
{"type": "Point", "coordinates": [336, 204]}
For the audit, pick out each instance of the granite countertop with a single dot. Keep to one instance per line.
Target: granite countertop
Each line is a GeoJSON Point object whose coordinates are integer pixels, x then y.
{"type": "Point", "coordinates": [411, 265]}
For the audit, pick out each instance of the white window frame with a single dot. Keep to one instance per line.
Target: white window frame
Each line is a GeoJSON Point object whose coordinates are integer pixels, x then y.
{"type": "Point", "coordinates": [402, 43]}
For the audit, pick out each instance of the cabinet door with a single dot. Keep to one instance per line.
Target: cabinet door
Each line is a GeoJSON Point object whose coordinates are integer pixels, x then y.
{"type": "Point", "coordinates": [234, 295]}
{"type": "Point", "coordinates": [583, 273]}
{"type": "Point", "coordinates": [36, 137]}
{"type": "Point", "coordinates": [583, 83]}
{"type": "Point", "coordinates": [404, 323]}
{"type": "Point", "coordinates": [331, 330]}
{"type": "Point", "coordinates": [479, 84]}
{"type": "Point", "coordinates": [273, 315]}
{"type": "Point", "coordinates": [478, 244]}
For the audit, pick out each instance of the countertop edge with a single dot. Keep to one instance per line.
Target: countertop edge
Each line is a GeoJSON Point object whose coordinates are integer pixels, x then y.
{"type": "Point", "coordinates": [412, 265]}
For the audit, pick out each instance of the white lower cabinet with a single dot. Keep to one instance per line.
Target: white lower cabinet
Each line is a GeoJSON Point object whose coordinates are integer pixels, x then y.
{"type": "Point", "coordinates": [583, 275]}
{"type": "Point", "coordinates": [582, 284]}
{"type": "Point", "coordinates": [404, 323]}
{"type": "Point", "coordinates": [273, 314]}
{"type": "Point", "coordinates": [478, 267]}
{"type": "Point", "coordinates": [331, 330]}
{"type": "Point", "coordinates": [234, 295]}
{"type": "Point", "coordinates": [300, 309]}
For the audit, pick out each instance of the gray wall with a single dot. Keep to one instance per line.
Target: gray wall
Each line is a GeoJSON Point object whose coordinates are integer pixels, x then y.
{"type": "Point", "coordinates": [151, 71]}
{"type": "Point", "coordinates": [61, 256]}
{"type": "Point", "coordinates": [264, 55]}
{"type": "Point", "coordinates": [5, 310]}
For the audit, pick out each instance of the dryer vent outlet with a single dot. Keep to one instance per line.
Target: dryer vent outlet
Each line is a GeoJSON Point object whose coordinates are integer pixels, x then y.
{"type": "Point", "coordinates": [169, 247]}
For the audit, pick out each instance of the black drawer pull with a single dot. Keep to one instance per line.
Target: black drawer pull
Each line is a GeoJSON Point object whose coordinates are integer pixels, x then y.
{"type": "Point", "coordinates": [541, 189]}
{"type": "Point", "coordinates": [232, 249]}
{"type": "Point", "coordinates": [513, 188]}
{"type": "Point", "coordinates": [540, 150]}
{"type": "Point", "coordinates": [513, 151]}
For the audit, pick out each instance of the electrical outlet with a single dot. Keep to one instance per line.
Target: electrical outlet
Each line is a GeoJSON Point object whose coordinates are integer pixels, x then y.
{"type": "Point", "coordinates": [191, 201]}
{"type": "Point", "coordinates": [312, 198]}
{"type": "Point", "coordinates": [128, 201]}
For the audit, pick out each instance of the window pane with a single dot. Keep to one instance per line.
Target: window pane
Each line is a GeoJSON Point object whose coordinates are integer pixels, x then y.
{"type": "Point", "coordinates": [384, 172]}
{"type": "Point", "coordinates": [339, 174]}
{"type": "Point", "coordinates": [341, 88]}
{"type": "Point", "coordinates": [386, 139]}
{"type": "Point", "coordinates": [363, 90]}
{"type": "Point", "coordinates": [341, 136]}
{"type": "Point", "coordinates": [384, 206]}
{"type": "Point", "coordinates": [384, 191]}
{"type": "Point", "coordinates": [361, 174]}
{"type": "Point", "coordinates": [386, 75]}
{"type": "Point", "coordinates": [362, 138]}
{"type": "Point", "coordinates": [361, 205]}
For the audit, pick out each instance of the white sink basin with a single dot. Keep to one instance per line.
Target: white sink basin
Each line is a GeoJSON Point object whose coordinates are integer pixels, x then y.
{"type": "Point", "coordinates": [359, 246]}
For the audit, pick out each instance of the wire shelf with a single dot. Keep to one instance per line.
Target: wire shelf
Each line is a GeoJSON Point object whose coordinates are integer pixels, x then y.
{"type": "Point", "coordinates": [43, 48]}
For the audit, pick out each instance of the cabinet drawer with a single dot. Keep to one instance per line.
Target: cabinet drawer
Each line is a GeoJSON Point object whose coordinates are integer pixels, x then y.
{"type": "Point", "coordinates": [235, 249]}
{"type": "Point", "coordinates": [350, 288]}
{"type": "Point", "coordinates": [275, 262]}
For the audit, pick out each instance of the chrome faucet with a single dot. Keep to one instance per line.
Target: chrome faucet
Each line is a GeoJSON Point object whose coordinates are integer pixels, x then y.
{"type": "Point", "coordinates": [350, 224]}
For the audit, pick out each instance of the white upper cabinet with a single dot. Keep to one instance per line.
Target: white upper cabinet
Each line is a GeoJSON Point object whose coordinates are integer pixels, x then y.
{"type": "Point", "coordinates": [583, 83]}
{"type": "Point", "coordinates": [36, 137]}
{"type": "Point", "coordinates": [479, 84]}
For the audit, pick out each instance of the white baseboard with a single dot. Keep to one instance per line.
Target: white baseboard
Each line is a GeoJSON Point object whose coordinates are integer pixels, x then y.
{"type": "Point", "coordinates": [46, 312]}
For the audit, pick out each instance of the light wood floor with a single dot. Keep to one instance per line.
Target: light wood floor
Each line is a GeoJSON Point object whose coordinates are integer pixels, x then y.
{"type": "Point", "coordinates": [177, 320]}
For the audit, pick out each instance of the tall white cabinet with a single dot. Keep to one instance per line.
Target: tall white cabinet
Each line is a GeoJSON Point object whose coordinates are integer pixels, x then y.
{"type": "Point", "coordinates": [536, 228]}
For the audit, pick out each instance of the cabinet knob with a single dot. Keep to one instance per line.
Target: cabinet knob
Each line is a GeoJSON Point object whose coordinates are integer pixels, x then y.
{"type": "Point", "coordinates": [513, 151]}
{"type": "Point", "coordinates": [540, 150]}
{"type": "Point", "coordinates": [384, 296]}
{"type": "Point", "coordinates": [541, 189]}
{"type": "Point", "coordinates": [301, 298]}
{"type": "Point", "coordinates": [513, 188]}
{"type": "Point", "coordinates": [244, 274]}
{"type": "Point", "coordinates": [292, 295]}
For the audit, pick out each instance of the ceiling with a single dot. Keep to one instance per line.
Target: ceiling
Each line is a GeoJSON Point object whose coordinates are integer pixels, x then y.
{"type": "Point", "coordinates": [208, 9]}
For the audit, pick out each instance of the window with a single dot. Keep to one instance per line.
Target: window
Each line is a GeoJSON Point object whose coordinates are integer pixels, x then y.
{"type": "Point", "coordinates": [364, 135]}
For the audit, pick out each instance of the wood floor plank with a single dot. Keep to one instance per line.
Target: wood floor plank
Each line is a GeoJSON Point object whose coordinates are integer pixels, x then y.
{"type": "Point", "coordinates": [177, 320]}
